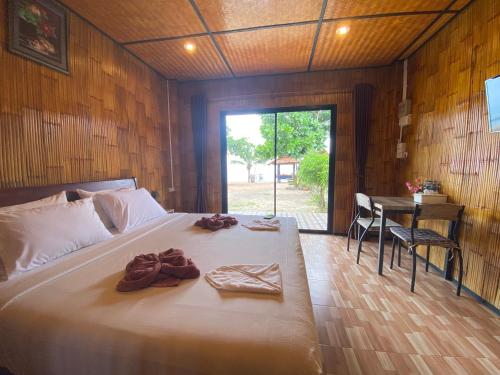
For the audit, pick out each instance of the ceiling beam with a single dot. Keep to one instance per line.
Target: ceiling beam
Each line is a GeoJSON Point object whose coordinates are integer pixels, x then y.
{"type": "Point", "coordinates": [394, 14]}
{"type": "Point", "coordinates": [163, 39]}
{"type": "Point", "coordinates": [441, 28]}
{"type": "Point", "coordinates": [290, 24]}
{"type": "Point", "coordinates": [267, 75]}
{"type": "Point", "coordinates": [422, 33]}
{"type": "Point", "coordinates": [264, 27]}
{"type": "Point", "coordinates": [316, 35]}
{"type": "Point", "coordinates": [210, 34]}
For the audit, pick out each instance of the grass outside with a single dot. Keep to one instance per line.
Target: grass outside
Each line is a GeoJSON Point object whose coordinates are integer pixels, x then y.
{"type": "Point", "coordinates": [249, 197]}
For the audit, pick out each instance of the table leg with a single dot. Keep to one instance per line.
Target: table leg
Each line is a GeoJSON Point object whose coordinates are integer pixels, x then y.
{"type": "Point", "coordinates": [381, 242]}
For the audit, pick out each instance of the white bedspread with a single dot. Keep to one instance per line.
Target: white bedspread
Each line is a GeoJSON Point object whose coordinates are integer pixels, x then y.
{"type": "Point", "coordinates": [67, 318]}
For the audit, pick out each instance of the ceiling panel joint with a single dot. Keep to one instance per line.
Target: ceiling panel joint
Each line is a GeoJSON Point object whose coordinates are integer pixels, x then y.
{"type": "Point", "coordinates": [212, 38]}
{"type": "Point", "coordinates": [444, 11]}
{"type": "Point", "coordinates": [316, 35]}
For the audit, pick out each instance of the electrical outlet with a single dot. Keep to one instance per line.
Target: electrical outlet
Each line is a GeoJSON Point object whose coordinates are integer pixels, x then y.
{"type": "Point", "coordinates": [171, 189]}
{"type": "Point", "coordinates": [404, 108]}
{"type": "Point", "coordinates": [401, 152]}
{"type": "Point", "coordinates": [405, 120]}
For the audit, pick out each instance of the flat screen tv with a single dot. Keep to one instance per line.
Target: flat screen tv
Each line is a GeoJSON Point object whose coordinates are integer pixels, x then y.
{"type": "Point", "coordinates": [493, 102]}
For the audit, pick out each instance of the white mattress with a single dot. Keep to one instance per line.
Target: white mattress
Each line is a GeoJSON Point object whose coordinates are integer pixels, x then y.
{"type": "Point", "coordinates": [66, 317]}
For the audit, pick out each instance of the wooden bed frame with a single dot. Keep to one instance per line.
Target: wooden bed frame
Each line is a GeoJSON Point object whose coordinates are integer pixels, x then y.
{"type": "Point", "coordinates": [12, 196]}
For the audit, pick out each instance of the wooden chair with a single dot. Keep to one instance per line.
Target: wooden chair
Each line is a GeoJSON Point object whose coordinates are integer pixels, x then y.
{"type": "Point", "coordinates": [365, 204]}
{"type": "Point", "coordinates": [413, 236]}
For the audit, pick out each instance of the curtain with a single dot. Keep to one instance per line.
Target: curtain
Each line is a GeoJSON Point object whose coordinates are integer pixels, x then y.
{"type": "Point", "coordinates": [199, 126]}
{"type": "Point", "coordinates": [362, 104]}
{"type": "Point", "coordinates": [363, 94]}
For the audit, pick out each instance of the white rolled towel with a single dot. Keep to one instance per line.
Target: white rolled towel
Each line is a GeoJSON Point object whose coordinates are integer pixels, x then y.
{"type": "Point", "coordinates": [253, 278]}
{"type": "Point", "coordinates": [257, 224]}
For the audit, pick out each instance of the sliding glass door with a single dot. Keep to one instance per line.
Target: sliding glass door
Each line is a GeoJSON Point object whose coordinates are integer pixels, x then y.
{"type": "Point", "coordinates": [280, 163]}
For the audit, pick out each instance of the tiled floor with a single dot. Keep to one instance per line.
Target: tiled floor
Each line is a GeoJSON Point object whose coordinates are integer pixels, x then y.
{"type": "Point", "coordinates": [305, 220]}
{"type": "Point", "coordinates": [370, 324]}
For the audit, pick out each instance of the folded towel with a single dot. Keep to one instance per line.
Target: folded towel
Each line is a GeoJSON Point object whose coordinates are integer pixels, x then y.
{"type": "Point", "coordinates": [165, 269]}
{"type": "Point", "coordinates": [257, 224]}
{"type": "Point", "coordinates": [253, 278]}
{"type": "Point", "coordinates": [216, 222]}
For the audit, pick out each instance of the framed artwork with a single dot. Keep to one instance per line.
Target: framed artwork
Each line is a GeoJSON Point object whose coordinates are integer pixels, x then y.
{"type": "Point", "coordinates": [38, 30]}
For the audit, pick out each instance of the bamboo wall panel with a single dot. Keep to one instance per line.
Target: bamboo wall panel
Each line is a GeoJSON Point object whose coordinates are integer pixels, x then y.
{"type": "Point", "coordinates": [278, 50]}
{"type": "Point", "coordinates": [237, 14]}
{"type": "Point", "coordinates": [299, 90]}
{"type": "Point", "coordinates": [449, 139]}
{"type": "Point", "coordinates": [130, 20]}
{"type": "Point", "coordinates": [106, 119]}
{"type": "Point", "coordinates": [373, 41]}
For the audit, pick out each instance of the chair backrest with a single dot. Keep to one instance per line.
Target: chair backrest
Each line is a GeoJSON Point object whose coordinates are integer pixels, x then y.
{"type": "Point", "coordinates": [440, 211]}
{"type": "Point", "coordinates": [363, 200]}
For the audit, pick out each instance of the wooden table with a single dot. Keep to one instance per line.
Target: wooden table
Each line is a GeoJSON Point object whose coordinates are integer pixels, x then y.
{"type": "Point", "coordinates": [389, 205]}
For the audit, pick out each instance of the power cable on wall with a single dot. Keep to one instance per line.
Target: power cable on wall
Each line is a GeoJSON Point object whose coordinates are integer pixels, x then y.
{"type": "Point", "coordinates": [172, 186]}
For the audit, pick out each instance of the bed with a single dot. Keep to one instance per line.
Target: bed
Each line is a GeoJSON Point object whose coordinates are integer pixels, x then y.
{"type": "Point", "coordinates": [66, 316]}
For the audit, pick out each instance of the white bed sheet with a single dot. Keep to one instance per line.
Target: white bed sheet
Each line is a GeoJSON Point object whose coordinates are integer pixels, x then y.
{"type": "Point", "coordinates": [67, 318]}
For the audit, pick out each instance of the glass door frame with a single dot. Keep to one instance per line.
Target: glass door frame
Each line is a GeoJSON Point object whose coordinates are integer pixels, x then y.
{"type": "Point", "coordinates": [331, 171]}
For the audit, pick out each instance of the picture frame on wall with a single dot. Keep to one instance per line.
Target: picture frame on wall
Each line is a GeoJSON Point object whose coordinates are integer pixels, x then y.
{"type": "Point", "coordinates": [38, 30]}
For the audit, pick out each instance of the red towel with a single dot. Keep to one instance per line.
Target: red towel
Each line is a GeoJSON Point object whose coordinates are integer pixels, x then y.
{"type": "Point", "coordinates": [164, 269]}
{"type": "Point", "coordinates": [216, 222]}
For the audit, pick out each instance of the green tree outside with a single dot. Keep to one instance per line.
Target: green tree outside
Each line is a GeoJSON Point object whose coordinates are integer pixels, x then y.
{"type": "Point", "coordinates": [298, 133]}
{"type": "Point", "coordinates": [313, 174]}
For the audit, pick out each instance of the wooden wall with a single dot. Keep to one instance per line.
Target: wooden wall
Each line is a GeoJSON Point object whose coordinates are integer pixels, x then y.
{"type": "Point", "coordinates": [106, 119]}
{"type": "Point", "coordinates": [449, 139]}
{"type": "Point", "coordinates": [300, 90]}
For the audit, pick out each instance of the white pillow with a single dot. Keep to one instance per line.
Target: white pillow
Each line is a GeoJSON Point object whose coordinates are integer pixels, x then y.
{"type": "Point", "coordinates": [100, 211]}
{"type": "Point", "coordinates": [53, 199]}
{"type": "Point", "coordinates": [128, 209]}
{"type": "Point", "coordinates": [30, 238]}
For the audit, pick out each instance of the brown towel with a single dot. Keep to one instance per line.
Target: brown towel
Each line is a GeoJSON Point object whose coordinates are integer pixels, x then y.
{"type": "Point", "coordinates": [216, 222]}
{"type": "Point", "coordinates": [164, 269]}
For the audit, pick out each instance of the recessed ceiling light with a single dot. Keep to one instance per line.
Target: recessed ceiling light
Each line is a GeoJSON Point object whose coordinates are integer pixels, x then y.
{"type": "Point", "coordinates": [190, 47]}
{"type": "Point", "coordinates": [342, 30]}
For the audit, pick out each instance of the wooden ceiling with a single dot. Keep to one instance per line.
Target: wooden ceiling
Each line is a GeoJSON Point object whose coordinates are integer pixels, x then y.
{"type": "Point", "coordinates": [235, 38]}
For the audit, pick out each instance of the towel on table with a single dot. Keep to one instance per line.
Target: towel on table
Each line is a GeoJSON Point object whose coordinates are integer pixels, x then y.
{"type": "Point", "coordinates": [167, 268]}
{"type": "Point", "coordinates": [216, 222]}
{"type": "Point", "coordinates": [253, 278]}
{"type": "Point", "coordinates": [257, 224]}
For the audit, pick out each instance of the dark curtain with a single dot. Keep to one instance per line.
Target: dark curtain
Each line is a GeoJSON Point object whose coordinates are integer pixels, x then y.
{"type": "Point", "coordinates": [362, 104]}
{"type": "Point", "coordinates": [199, 125]}
{"type": "Point", "coordinates": [363, 94]}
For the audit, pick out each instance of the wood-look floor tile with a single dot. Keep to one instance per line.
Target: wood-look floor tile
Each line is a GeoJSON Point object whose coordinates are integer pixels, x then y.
{"type": "Point", "coordinates": [385, 361]}
{"type": "Point", "coordinates": [420, 364]}
{"type": "Point", "coordinates": [371, 324]}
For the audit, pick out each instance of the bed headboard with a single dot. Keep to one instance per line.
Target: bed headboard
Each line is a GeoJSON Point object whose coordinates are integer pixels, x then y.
{"type": "Point", "coordinates": [12, 196]}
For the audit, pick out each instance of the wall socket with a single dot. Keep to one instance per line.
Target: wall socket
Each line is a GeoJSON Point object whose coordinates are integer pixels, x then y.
{"type": "Point", "coordinates": [401, 152]}
{"type": "Point", "coordinates": [404, 108]}
{"type": "Point", "coordinates": [171, 189]}
{"type": "Point", "coordinates": [405, 120]}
